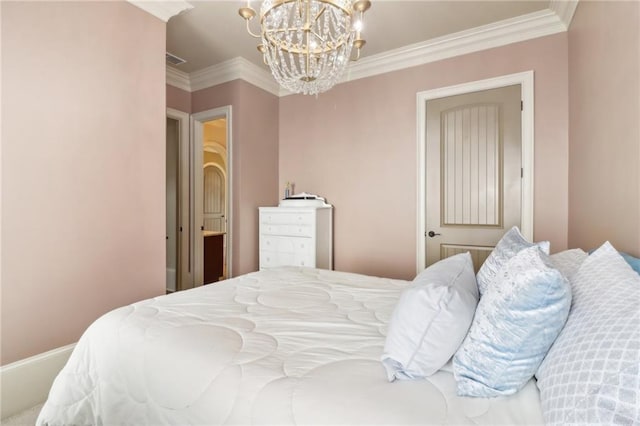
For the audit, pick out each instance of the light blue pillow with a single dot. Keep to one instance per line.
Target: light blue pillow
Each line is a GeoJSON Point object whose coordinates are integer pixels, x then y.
{"type": "Point", "coordinates": [517, 320]}
{"type": "Point", "coordinates": [431, 319]}
{"type": "Point", "coordinates": [508, 246]}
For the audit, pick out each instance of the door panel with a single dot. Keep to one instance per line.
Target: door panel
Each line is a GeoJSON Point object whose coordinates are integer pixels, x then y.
{"type": "Point", "coordinates": [213, 208]}
{"type": "Point", "coordinates": [473, 166]}
{"type": "Point", "coordinates": [478, 254]}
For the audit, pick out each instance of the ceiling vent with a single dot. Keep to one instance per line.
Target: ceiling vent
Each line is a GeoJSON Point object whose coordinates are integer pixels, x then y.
{"type": "Point", "coordinates": [173, 59]}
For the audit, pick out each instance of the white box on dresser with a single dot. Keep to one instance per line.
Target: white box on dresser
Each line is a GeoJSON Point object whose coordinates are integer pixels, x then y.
{"type": "Point", "coordinates": [296, 233]}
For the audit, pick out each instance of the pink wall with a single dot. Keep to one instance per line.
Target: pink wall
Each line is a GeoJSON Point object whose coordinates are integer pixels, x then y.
{"type": "Point", "coordinates": [356, 145]}
{"type": "Point", "coordinates": [82, 167]}
{"type": "Point", "coordinates": [604, 105]}
{"type": "Point", "coordinates": [178, 99]}
{"type": "Point", "coordinates": [255, 160]}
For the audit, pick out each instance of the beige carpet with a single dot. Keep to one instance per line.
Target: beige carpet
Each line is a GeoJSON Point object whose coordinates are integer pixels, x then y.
{"type": "Point", "coordinates": [26, 418]}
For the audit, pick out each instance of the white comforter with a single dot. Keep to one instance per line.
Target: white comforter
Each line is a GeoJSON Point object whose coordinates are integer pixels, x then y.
{"type": "Point", "coordinates": [287, 346]}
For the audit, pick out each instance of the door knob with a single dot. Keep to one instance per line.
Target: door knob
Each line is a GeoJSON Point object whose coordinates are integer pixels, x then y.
{"type": "Point", "coordinates": [432, 234]}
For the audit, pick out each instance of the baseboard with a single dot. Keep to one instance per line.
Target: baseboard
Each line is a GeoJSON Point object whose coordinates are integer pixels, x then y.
{"type": "Point", "coordinates": [171, 278]}
{"type": "Point", "coordinates": [26, 383]}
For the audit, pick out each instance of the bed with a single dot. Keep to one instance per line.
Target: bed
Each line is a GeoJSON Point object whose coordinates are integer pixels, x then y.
{"type": "Point", "coordinates": [303, 346]}
{"type": "Point", "coordinates": [284, 346]}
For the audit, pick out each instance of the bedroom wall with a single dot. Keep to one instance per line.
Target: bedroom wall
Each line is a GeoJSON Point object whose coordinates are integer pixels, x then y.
{"type": "Point", "coordinates": [604, 133]}
{"type": "Point", "coordinates": [255, 160]}
{"type": "Point", "coordinates": [356, 146]}
{"type": "Point", "coordinates": [178, 99]}
{"type": "Point", "coordinates": [83, 119]}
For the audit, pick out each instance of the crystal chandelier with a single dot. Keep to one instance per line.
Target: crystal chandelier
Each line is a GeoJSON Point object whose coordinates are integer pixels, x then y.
{"type": "Point", "coordinates": [308, 43]}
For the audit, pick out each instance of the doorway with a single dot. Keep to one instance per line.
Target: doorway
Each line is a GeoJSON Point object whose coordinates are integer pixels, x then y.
{"type": "Point", "coordinates": [473, 172]}
{"type": "Point", "coordinates": [178, 265]}
{"type": "Point", "coordinates": [450, 190]}
{"type": "Point", "coordinates": [212, 195]}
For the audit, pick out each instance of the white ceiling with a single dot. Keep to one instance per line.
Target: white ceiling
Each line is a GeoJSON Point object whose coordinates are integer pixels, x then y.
{"type": "Point", "coordinates": [213, 32]}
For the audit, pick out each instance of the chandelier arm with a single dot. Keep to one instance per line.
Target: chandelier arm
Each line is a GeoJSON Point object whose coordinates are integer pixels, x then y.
{"type": "Point", "coordinates": [251, 32]}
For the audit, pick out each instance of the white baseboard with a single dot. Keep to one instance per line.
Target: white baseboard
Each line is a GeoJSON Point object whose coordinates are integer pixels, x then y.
{"type": "Point", "coordinates": [171, 279]}
{"type": "Point", "coordinates": [26, 383]}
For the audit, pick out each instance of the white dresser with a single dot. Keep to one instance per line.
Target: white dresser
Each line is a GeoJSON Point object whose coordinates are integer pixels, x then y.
{"type": "Point", "coordinates": [297, 233]}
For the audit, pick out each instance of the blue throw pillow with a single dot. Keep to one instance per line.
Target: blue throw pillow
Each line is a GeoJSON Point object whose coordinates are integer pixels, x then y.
{"type": "Point", "coordinates": [517, 320]}
{"type": "Point", "coordinates": [508, 246]}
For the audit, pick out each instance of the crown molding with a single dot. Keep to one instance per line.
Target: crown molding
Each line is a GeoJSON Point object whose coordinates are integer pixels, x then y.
{"type": "Point", "coordinates": [233, 69]}
{"type": "Point", "coordinates": [162, 9]}
{"type": "Point", "coordinates": [179, 79]}
{"type": "Point", "coordinates": [565, 9]}
{"type": "Point", "coordinates": [497, 34]}
{"type": "Point", "coordinates": [513, 30]}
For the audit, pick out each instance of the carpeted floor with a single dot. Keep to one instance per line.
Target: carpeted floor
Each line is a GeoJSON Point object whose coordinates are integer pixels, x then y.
{"type": "Point", "coordinates": [26, 418]}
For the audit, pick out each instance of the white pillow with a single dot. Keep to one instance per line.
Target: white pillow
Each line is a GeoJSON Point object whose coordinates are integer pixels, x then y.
{"type": "Point", "coordinates": [591, 373]}
{"type": "Point", "coordinates": [431, 319]}
{"type": "Point", "coordinates": [509, 245]}
{"type": "Point", "coordinates": [568, 261]}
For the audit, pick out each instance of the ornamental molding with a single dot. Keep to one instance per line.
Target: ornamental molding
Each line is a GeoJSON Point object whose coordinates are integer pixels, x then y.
{"type": "Point", "coordinates": [546, 22]}
{"type": "Point", "coordinates": [162, 9]}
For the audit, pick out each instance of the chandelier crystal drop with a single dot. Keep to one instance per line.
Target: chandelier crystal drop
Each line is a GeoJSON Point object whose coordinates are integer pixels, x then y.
{"type": "Point", "coordinates": [308, 43]}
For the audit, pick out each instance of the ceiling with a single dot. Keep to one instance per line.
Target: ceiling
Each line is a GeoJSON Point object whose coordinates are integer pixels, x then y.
{"type": "Point", "coordinates": [213, 32]}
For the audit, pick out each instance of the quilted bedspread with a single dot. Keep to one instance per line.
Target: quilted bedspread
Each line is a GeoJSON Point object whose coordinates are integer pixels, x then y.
{"type": "Point", "coordinates": [284, 346]}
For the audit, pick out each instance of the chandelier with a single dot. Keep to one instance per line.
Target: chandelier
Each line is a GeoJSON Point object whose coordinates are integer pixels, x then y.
{"type": "Point", "coordinates": [308, 43]}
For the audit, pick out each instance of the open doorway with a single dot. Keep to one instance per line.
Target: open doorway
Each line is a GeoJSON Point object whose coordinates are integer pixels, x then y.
{"type": "Point", "coordinates": [214, 166]}
{"type": "Point", "coordinates": [211, 195]}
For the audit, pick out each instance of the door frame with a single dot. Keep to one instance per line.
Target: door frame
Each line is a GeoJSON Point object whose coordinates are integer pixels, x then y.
{"type": "Point", "coordinates": [525, 80]}
{"type": "Point", "coordinates": [183, 273]}
{"type": "Point", "coordinates": [197, 122]}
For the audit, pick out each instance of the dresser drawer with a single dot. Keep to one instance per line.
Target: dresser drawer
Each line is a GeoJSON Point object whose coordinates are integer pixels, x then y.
{"type": "Point", "coordinates": [273, 229]}
{"type": "Point", "coordinates": [286, 218]}
{"type": "Point", "coordinates": [300, 230]}
{"type": "Point", "coordinates": [288, 230]}
{"type": "Point", "coordinates": [308, 260]}
{"type": "Point", "coordinates": [282, 244]}
{"type": "Point", "coordinates": [272, 259]}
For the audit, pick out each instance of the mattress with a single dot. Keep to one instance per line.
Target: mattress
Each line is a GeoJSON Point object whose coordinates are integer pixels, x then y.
{"type": "Point", "coordinates": [283, 346]}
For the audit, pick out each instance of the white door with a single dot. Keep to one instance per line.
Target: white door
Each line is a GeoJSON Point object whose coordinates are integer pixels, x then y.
{"type": "Point", "coordinates": [214, 199]}
{"type": "Point", "coordinates": [473, 172]}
